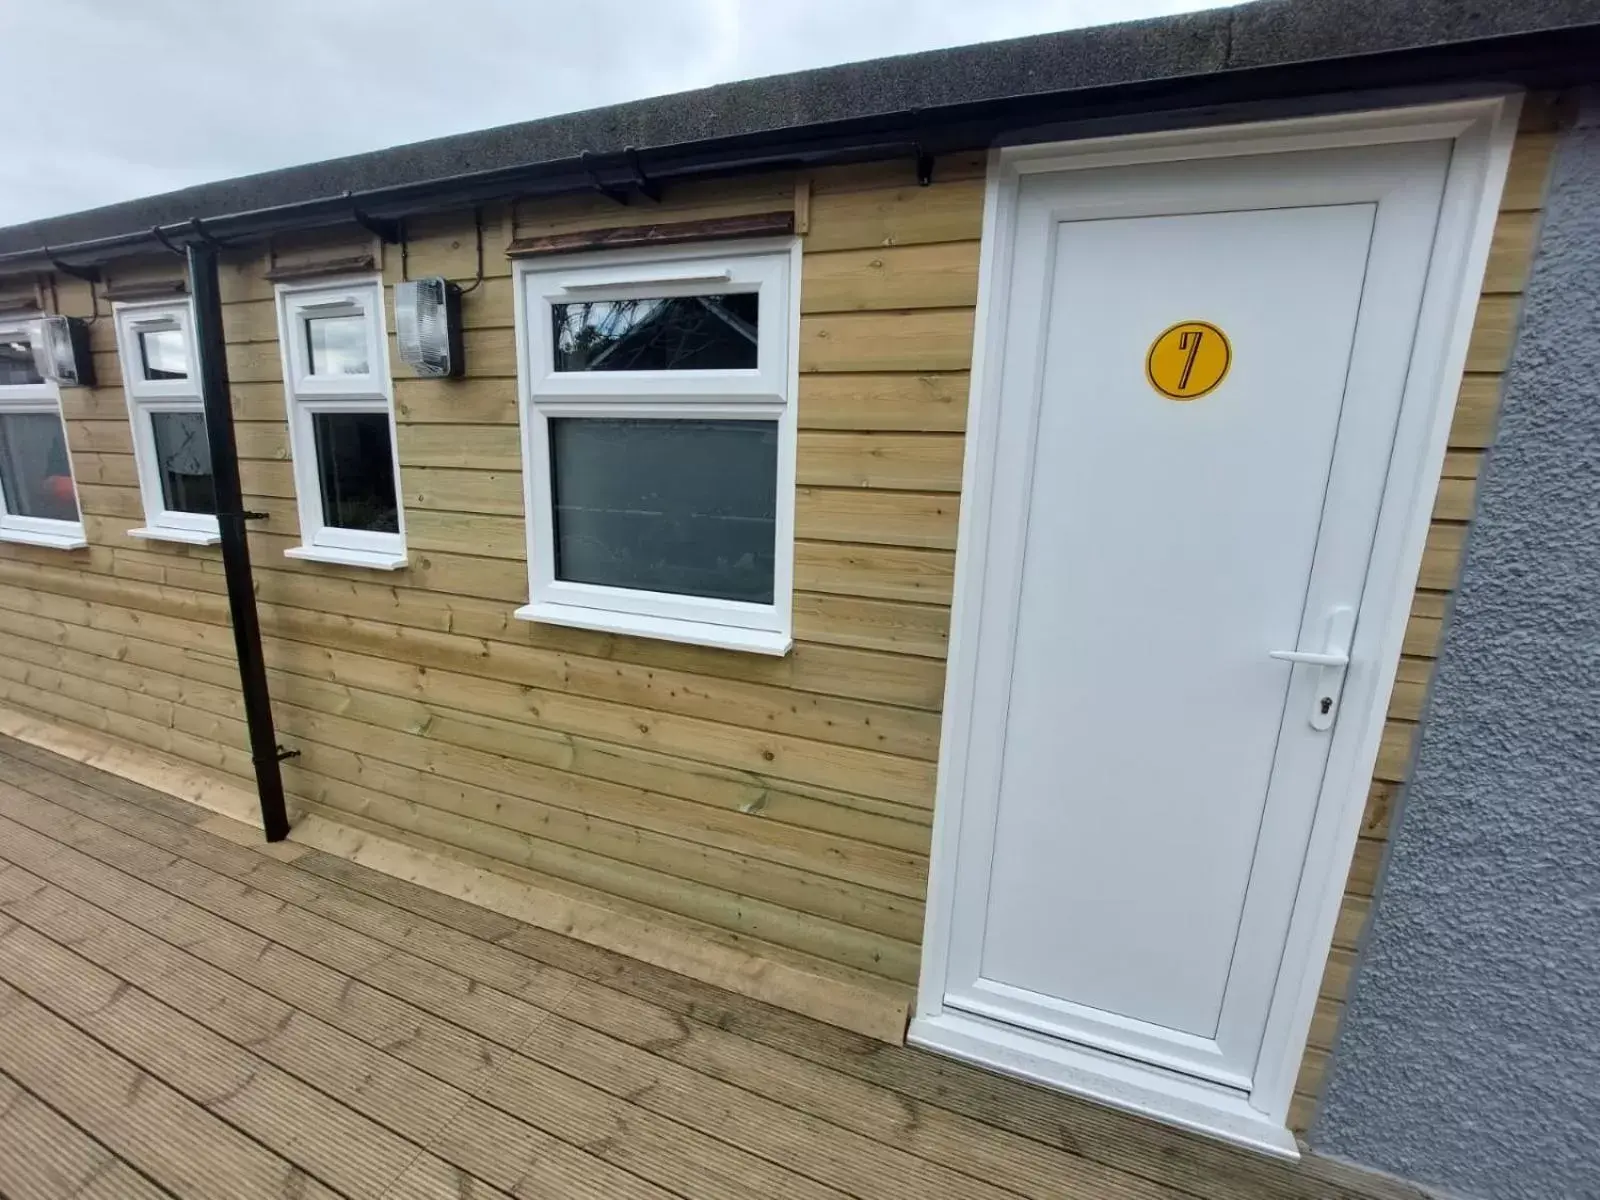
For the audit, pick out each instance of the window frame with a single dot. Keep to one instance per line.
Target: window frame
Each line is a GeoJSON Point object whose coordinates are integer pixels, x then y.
{"type": "Point", "coordinates": [43, 397]}
{"type": "Point", "coordinates": [766, 392]}
{"type": "Point", "coordinates": [146, 397]}
{"type": "Point", "coordinates": [306, 394]}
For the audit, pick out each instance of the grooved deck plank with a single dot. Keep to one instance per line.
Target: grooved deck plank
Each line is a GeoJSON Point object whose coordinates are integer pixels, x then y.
{"type": "Point", "coordinates": [139, 1118]}
{"type": "Point", "coordinates": [586, 1116]}
{"type": "Point", "coordinates": [103, 781]}
{"type": "Point", "coordinates": [477, 1056]}
{"type": "Point", "coordinates": [551, 1045]}
{"type": "Point", "coordinates": [926, 1083]}
{"type": "Point", "coordinates": [399, 1096]}
{"type": "Point", "coordinates": [46, 1157]}
{"type": "Point", "coordinates": [328, 1141]}
{"type": "Point", "coordinates": [898, 1125]}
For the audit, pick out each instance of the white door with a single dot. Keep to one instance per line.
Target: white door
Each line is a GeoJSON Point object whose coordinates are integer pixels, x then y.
{"type": "Point", "coordinates": [1202, 373]}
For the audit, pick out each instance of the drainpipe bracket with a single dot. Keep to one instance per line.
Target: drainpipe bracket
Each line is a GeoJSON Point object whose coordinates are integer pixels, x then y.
{"type": "Point", "coordinates": [205, 235]}
{"type": "Point", "coordinates": [385, 230]}
{"type": "Point", "coordinates": [648, 188]}
{"type": "Point", "coordinates": [87, 274]}
{"type": "Point", "coordinates": [167, 243]}
{"type": "Point", "coordinates": [617, 195]}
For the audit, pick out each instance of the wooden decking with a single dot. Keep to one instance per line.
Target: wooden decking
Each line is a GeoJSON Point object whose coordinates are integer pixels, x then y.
{"type": "Point", "coordinates": [184, 1015]}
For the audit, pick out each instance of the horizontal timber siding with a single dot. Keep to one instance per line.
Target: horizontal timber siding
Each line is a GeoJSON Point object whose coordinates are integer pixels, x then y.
{"type": "Point", "coordinates": [782, 801]}
{"type": "Point", "coordinates": [787, 801]}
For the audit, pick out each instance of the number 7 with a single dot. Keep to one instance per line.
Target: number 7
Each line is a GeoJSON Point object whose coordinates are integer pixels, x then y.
{"type": "Point", "coordinates": [1190, 341]}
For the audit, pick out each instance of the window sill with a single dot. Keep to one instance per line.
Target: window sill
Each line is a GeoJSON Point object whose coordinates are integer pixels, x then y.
{"type": "Point", "coordinates": [51, 541]}
{"type": "Point", "coordinates": [371, 559]}
{"type": "Point", "coordinates": [189, 537]}
{"type": "Point", "coordinates": [666, 629]}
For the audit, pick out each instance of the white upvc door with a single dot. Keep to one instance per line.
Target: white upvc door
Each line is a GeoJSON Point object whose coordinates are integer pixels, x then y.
{"type": "Point", "coordinates": [1201, 378]}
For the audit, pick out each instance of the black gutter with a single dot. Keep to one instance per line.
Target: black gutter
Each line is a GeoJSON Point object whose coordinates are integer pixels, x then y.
{"type": "Point", "coordinates": [217, 400]}
{"type": "Point", "coordinates": [1547, 60]}
{"type": "Point", "coordinates": [527, 181]}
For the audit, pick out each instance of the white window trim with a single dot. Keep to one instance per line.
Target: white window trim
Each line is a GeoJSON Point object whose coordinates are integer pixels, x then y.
{"type": "Point", "coordinates": [765, 393]}
{"type": "Point", "coordinates": [305, 394]}
{"type": "Point", "coordinates": [38, 398]}
{"type": "Point", "coordinates": [148, 396]}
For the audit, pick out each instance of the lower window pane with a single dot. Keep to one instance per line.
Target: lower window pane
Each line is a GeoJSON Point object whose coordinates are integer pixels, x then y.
{"type": "Point", "coordinates": [34, 472]}
{"type": "Point", "coordinates": [683, 506]}
{"type": "Point", "coordinates": [183, 458]}
{"type": "Point", "coordinates": [356, 466]}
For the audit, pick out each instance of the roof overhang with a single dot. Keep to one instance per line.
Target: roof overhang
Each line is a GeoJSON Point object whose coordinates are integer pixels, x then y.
{"type": "Point", "coordinates": [1215, 66]}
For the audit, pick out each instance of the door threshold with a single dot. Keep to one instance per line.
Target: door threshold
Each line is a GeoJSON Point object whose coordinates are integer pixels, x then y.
{"type": "Point", "coordinates": [1163, 1096]}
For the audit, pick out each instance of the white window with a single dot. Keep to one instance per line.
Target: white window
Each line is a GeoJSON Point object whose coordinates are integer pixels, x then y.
{"type": "Point", "coordinates": [341, 423]}
{"type": "Point", "coordinates": [659, 440]}
{"type": "Point", "coordinates": [38, 496]}
{"type": "Point", "coordinates": [162, 380]}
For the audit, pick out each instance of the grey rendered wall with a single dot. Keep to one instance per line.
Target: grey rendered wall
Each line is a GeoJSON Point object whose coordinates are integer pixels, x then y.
{"type": "Point", "coordinates": [1470, 1055]}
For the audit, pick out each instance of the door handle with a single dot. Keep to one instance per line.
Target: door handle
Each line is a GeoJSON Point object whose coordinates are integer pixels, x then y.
{"type": "Point", "coordinates": [1311, 658]}
{"type": "Point", "coordinates": [1332, 661]}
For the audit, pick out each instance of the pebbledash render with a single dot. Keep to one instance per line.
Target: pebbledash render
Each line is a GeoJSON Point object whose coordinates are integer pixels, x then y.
{"type": "Point", "coordinates": [964, 547]}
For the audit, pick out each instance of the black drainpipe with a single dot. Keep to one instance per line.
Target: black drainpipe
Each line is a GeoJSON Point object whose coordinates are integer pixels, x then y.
{"type": "Point", "coordinates": [231, 518]}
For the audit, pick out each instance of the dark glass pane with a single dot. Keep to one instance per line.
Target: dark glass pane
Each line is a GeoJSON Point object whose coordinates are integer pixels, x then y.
{"type": "Point", "coordinates": [357, 469]}
{"type": "Point", "coordinates": [16, 361]}
{"type": "Point", "coordinates": [164, 354]}
{"type": "Point", "coordinates": [666, 505]}
{"type": "Point", "coordinates": [183, 458]}
{"type": "Point", "coordinates": [679, 333]}
{"type": "Point", "coordinates": [337, 345]}
{"type": "Point", "coordinates": [34, 472]}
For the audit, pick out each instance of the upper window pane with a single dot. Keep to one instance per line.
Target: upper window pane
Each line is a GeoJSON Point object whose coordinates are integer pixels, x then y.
{"type": "Point", "coordinates": [337, 345]}
{"type": "Point", "coordinates": [16, 360]}
{"type": "Point", "coordinates": [163, 354]}
{"type": "Point", "coordinates": [676, 333]}
{"type": "Point", "coordinates": [34, 472]}
{"type": "Point", "coordinates": [356, 465]}
{"type": "Point", "coordinates": [681, 506]}
{"type": "Point", "coordinates": [183, 458]}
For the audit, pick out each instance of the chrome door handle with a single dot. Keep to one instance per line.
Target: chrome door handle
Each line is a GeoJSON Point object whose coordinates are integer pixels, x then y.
{"type": "Point", "coordinates": [1332, 661]}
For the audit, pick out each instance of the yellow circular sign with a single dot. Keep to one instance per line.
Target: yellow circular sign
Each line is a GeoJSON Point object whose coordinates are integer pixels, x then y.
{"type": "Point", "coordinates": [1188, 360]}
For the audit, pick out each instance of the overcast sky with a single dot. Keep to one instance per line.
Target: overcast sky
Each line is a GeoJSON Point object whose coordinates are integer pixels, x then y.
{"type": "Point", "coordinates": [113, 99]}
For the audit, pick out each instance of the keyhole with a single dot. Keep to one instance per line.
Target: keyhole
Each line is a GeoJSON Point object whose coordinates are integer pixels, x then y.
{"type": "Point", "coordinates": [1326, 704]}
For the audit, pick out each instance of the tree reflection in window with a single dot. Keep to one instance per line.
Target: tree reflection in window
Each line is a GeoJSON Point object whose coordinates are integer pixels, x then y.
{"type": "Point", "coordinates": [183, 457]}
{"type": "Point", "coordinates": [674, 333]}
{"type": "Point", "coordinates": [355, 465]}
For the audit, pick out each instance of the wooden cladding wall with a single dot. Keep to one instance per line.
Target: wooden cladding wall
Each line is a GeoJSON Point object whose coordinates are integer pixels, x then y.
{"type": "Point", "coordinates": [782, 801]}
{"type": "Point", "coordinates": [786, 801]}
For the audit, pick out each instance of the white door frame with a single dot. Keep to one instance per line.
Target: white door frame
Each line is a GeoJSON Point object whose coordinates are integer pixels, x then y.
{"type": "Point", "coordinates": [1483, 131]}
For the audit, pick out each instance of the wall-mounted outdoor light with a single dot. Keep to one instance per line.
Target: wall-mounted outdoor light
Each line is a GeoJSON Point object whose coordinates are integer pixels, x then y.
{"type": "Point", "coordinates": [62, 351]}
{"type": "Point", "coordinates": [427, 322]}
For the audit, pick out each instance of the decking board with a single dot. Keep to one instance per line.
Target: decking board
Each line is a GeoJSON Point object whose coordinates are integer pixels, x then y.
{"type": "Point", "coordinates": [144, 1121]}
{"type": "Point", "coordinates": [550, 1044]}
{"type": "Point", "coordinates": [576, 1114]}
{"type": "Point", "coordinates": [354, 1155]}
{"type": "Point", "coordinates": [454, 1051]}
{"type": "Point", "coordinates": [48, 1156]}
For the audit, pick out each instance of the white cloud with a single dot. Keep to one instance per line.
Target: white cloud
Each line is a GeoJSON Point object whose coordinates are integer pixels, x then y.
{"type": "Point", "coordinates": [130, 98]}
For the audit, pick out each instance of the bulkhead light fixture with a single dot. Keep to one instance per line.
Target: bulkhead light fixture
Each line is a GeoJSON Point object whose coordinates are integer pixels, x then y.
{"type": "Point", "coordinates": [427, 323]}
{"type": "Point", "coordinates": [62, 351]}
